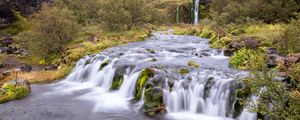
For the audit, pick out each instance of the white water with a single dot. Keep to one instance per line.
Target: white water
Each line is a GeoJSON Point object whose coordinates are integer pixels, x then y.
{"type": "Point", "coordinates": [196, 11]}
{"type": "Point", "coordinates": [187, 98]}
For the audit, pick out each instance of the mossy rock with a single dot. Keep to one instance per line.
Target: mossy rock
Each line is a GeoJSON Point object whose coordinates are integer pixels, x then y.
{"type": "Point", "coordinates": [153, 101]}
{"type": "Point", "coordinates": [117, 82]}
{"type": "Point", "coordinates": [194, 64]}
{"type": "Point", "coordinates": [208, 85]}
{"type": "Point", "coordinates": [184, 71]}
{"type": "Point", "coordinates": [144, 76]}
{"type": "Point", "coordinates": [104, 64]}
{"type": "Point", "coordinates": [150, 51]}
{"type": "Point", "coordinates": [14, 91]}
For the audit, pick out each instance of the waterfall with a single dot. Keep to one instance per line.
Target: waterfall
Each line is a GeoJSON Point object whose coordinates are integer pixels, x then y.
{"type": "Point", "coordinates": [206, 92]}
{"type": "Point", "coordinates": [196, 11]}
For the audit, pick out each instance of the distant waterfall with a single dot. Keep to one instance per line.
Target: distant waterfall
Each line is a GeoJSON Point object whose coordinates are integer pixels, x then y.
{"type": "Point", "coordinates": [196, 12]}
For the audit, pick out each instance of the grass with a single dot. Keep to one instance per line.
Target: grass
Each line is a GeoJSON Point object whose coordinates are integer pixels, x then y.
{"type": "Point", "coordinates": [75, 51]}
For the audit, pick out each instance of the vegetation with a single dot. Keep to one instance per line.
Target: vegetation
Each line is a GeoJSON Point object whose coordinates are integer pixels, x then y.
{"type": "Point", "coordinates": [12, 92]}
{"type": "Point", "coordinates": [144, 76]}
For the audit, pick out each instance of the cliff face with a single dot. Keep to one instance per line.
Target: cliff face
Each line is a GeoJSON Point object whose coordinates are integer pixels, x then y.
{"type": "Point", "coordinates": [25, 7]}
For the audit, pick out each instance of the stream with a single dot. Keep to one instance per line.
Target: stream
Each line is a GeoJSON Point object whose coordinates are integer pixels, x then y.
{"type": "Point", "coordinates": [204, 92]}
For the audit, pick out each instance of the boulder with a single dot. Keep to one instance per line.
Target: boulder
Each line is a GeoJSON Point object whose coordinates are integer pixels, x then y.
{"type": "Point", "coordinates": [235, 45]}
{"type": "Point", "coordinates": [7, 42]}
{"type": "Point", "coordinates": [51, 67]}
{"type": "Point", "coordinates": [271, 51]}
{"type": "Point", "coordinates": [272, 61]}
{"type": "Point", "coordinates": [228, 52]}
{"type": "Point", "coordinates": [26, 68]}
{"type": "Point", "coordinates": [251, 43]}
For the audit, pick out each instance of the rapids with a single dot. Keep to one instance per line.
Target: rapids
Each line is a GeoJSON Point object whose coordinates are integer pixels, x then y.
{"type": "Point", "coordinates": [204, 93]}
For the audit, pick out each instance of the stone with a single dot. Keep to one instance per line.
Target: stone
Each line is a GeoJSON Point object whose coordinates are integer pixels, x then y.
{"type": "Point", "coordinates": [271, 51]}
{"type": "Point", "coordinates": [26, 68]}
{"type": "Point", "coordinates": [251, 43]}
{"type": "Point", "coordinates": [51, 67]}
{"type": "Point", "coordinates": [228, 52]}
{"type": "Point", "coordinates": [7, 42]}
{"type": "Point", "coordinates": [235, 45]}
{"type": "Point", "coordinates": [272, 61]}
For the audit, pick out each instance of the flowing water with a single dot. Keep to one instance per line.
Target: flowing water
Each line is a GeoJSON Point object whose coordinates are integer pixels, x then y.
{"type": "Point", "coordinates": [196, 11]}
{"type": "Point", "coordinates": [205, 93]}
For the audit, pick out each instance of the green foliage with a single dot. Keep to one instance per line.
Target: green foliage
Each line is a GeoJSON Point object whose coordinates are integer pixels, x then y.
{"type": "Point", "coordinates": [291, 41]}
{"type": "Point", "coordinates": [13, 92]}
{"type": "Point", "coordinates": [247, 59]}
{"type": "Point", "coordinates": [125, 14]}
{"type": "Point", "coordinates": [51, 30]}
{"type": "Point", "coordinates": [20, 25]}
{"type": "Point", "coordinates": [240, 11]}
{"type": "Point", "coordinates": [275, 93]}
{"type": "Point", "coordinates": [153, 101]}
{"type": "Point", "coordinates": [144, 76]}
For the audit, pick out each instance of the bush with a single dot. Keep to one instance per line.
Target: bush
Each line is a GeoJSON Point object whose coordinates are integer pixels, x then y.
{"type": "Point", "coordinates": [125, 14]}
{"type": "Point", "coordinates": [292, 37]}
{"type": "Point", "coordinates": [247, 59]}
{"type": "Point", "coordinates": [52, 28]}
{"type": "Point", "coordinates": [12, 92]}
{"type": "Point", "coordinates": [240, 11]}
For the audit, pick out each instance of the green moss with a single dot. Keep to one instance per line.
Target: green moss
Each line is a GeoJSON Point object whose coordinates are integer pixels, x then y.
{"type": "Point", "coordinates": [184, 71]}
{"type": "Point", "coordinates": [13, 92]}
{"type": "Point", "coordinates": [143, 78]}
{"type": "Point", "coordinates": [153, 101]}
{"type": "Point", "coordinates": [150, 51]}
{"type": "Point", "coordinates": [104, 64]}
{"type": "Point", "coordinates": [117, 82]}
{"type": "Point", "coordinates": [207, 33]}
{"type": "Point", "coordinates": [194, 64]}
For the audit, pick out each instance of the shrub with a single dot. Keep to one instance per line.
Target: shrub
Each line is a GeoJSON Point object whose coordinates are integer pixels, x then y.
{"type": "Point", "coordinates": [292, 37]}
{"type": "Point", "coordinates": [240, 11]}
{"type": "Point", "coordinates": [247, 59]}
{"type": "Point", "coordinates": [12, 92]}
{"type": "Point", "coordinates": [125, 14]}
{"type": "Point", "coordinates": [52, 28]}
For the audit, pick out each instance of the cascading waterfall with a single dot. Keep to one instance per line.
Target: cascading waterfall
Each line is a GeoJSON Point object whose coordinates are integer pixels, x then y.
{"type": "Point", "coordinates": [202, 93]}
{"type": "Point", "coordinates": [196, 11]}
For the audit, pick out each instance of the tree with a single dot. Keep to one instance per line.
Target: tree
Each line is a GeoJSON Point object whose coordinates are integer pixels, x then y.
{"type": "Point", "coordinates": [52, 28]}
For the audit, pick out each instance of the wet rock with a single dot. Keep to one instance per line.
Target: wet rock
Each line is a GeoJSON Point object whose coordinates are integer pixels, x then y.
{"type": "Point", "coordinates": [26, 68]}
{"type": "Point", "coordinates": [271, 62]}
{"type": "Point", "coordinates": [228, 52]}
{"type": "Point", "coordinates": [210, 82]}
{"type": "Point", "coordinates": [154, 101]}
{"type": "Point", "coordinates": [144, 76]}
{"type": "Point", "coordinates": [51, 67]}
{"type": "Point", "coordinates": [194, 64]}
{"type": "Point", "coordinates": [117, 81]}
{"type": "Point", "coordinates": [104, 64]}
{"type": "Point", "coordinates": [184, 71]}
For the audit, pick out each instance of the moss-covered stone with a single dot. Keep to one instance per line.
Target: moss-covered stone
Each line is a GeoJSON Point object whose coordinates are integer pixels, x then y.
{"type": "Point", "coordinates": [150, 51]}
{"type": "Point", "coordinates": [14, 91]}
{"type": "Point", "coordinates": [104, 64]}
{"type": "Point", "coordinates": [117, 82]}
{"type": "Point", "coordinates": [184, 71]}
{"type": "Point", "coordinates": [208, 86]}
{"type": "Point", "coordinates": [153, 101]}
{"type": "Point", "coordinates": [143, 78]}
{"type": "Point", "coordinates": [241, 96]}
{"type": "Point", "coordinates": [194, 64]}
